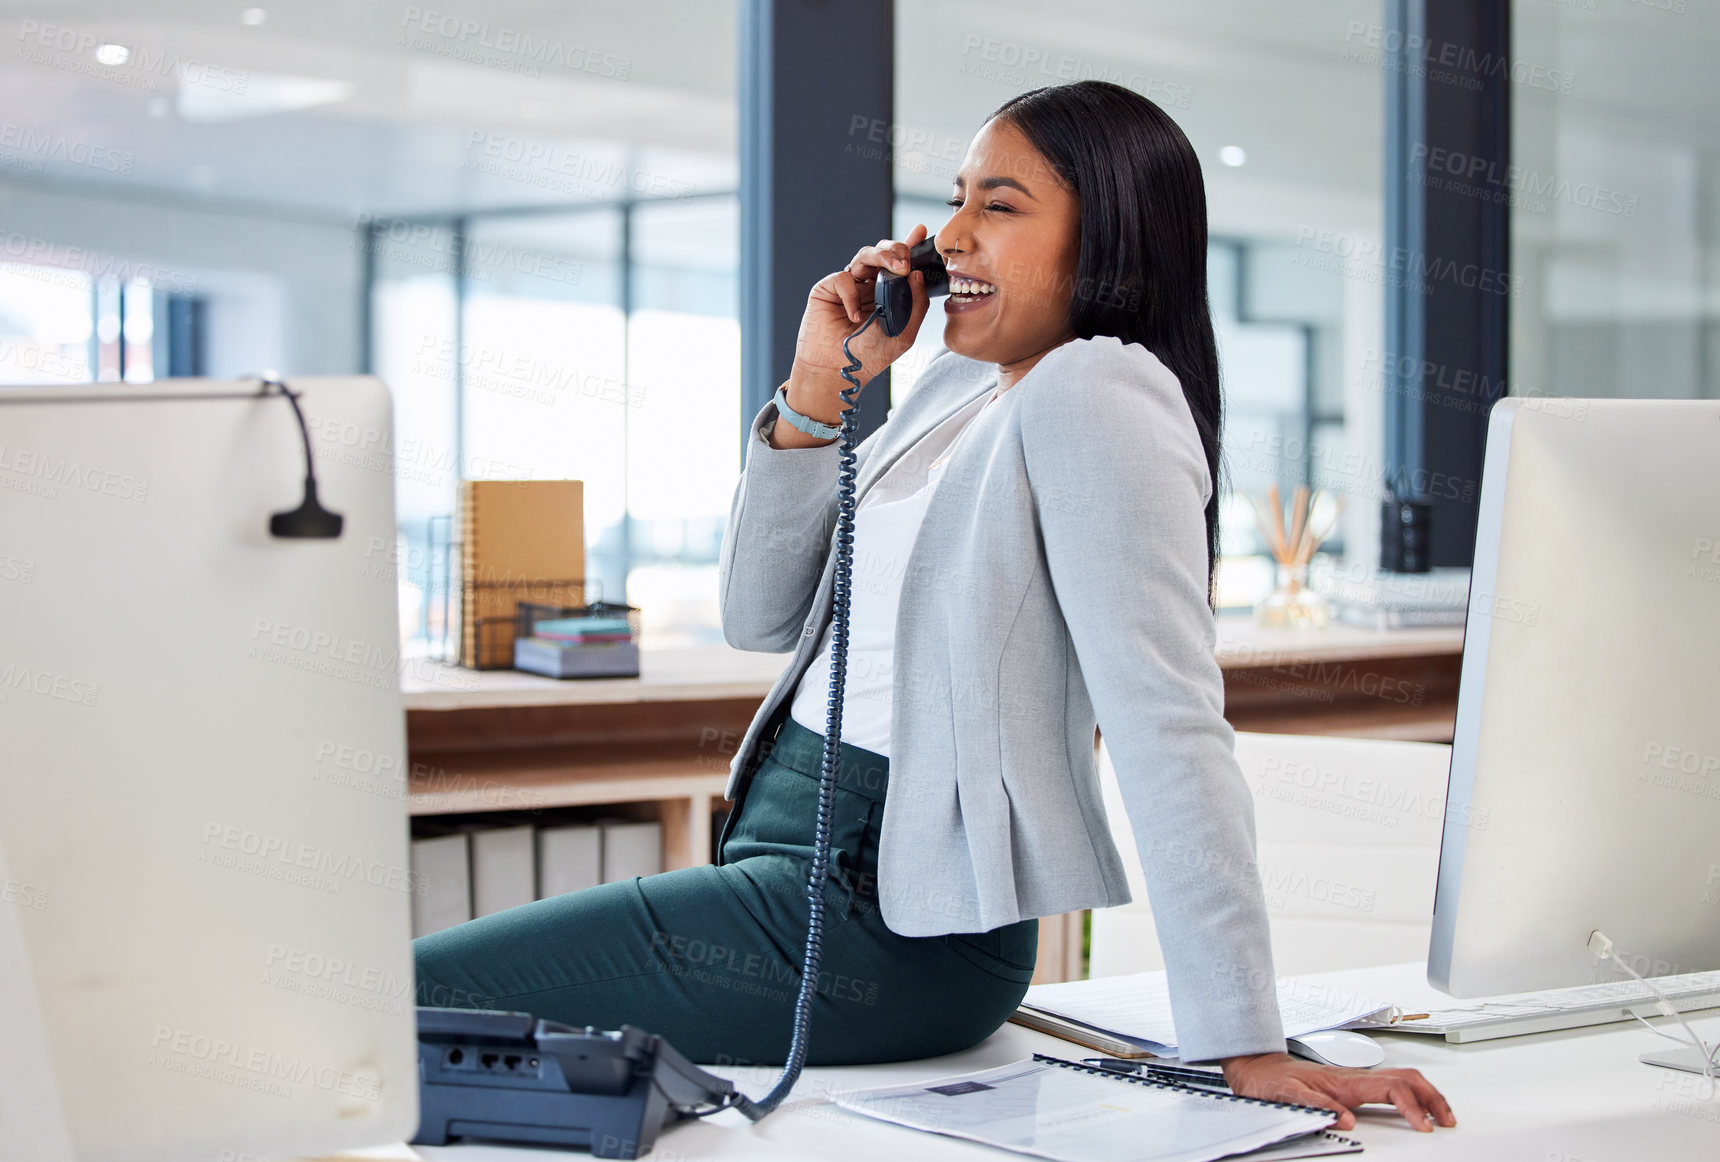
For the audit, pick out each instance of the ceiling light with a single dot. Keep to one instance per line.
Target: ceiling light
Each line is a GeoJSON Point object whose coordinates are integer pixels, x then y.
{"type": "Point", "coordinates": [263, 94]}
{"type": "Point", "coordinates": [112, 54]}
{"type": "Point", "coordinates": [253, 16]}
{"type": "Point", "coordinates": [1233, 155]}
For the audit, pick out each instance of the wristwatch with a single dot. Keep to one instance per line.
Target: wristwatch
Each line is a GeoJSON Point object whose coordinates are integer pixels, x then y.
{"type": "Point", "coordinates": [805, 423]}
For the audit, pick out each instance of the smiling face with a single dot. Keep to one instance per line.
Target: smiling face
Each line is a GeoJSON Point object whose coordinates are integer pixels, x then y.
{"type": "Point", "coordinates": [1012, 246]}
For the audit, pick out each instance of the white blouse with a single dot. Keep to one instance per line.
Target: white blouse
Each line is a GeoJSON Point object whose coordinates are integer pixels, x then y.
{"type": "Point", "coordinates": [885, 525]}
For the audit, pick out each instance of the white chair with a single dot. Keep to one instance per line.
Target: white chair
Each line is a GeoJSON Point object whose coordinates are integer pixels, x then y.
{"type": "Point", "coordinates": [1348, 831]}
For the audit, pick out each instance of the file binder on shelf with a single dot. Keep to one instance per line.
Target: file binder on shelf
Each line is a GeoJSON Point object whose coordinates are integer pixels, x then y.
{"type": "Point", "coordinates": [570, 859]}
{"type": "Point", "coordinates": [442, 881]}
{"type": "Point", "coordinates": [631, 849]}
{"type": "Point", "coordinates": [504, 868]}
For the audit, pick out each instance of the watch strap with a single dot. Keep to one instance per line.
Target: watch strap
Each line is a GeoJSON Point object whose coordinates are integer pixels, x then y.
{"type": "Point", "coordinates": [805, 423]}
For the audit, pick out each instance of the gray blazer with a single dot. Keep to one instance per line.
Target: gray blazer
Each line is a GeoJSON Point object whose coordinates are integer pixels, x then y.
{"type": "Point", "coordinates": [1057, 583]}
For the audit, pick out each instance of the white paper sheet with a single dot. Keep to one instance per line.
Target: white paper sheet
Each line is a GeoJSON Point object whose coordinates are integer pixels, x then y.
{"type": "Point", "coordinates": [1138, 1006]}
{"type": "Point", "coordinates": [1075, 1115]}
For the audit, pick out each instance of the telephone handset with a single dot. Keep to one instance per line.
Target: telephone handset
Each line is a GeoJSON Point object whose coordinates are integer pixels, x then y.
{"type": "Point", "coordinates": [896, 295]}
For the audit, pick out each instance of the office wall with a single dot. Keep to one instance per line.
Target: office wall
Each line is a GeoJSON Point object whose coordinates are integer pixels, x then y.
{"type": "Point", "coordinates": [284, 292]}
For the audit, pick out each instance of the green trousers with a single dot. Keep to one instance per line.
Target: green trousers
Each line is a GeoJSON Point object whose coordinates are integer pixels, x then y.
{"type": "Point", "coordinates": [709, 957]}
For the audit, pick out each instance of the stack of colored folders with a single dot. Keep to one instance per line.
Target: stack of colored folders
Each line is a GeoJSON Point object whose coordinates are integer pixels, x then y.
{"type": "Point", "coordinates": [596, 643]}
{"type": "Point", "coordinates": [583, 631]}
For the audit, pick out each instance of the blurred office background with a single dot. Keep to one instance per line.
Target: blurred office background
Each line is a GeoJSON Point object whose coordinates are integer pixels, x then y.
{"type": "Point", "coordinates": [524, 217]}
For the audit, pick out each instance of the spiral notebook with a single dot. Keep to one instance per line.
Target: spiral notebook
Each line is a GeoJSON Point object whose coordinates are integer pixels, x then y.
{"type": "Point", "coordinates": [1052, 1108]}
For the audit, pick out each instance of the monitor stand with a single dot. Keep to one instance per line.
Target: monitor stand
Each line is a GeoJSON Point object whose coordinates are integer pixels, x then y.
{"type": "Point", "coordinates": [1687, 1059]}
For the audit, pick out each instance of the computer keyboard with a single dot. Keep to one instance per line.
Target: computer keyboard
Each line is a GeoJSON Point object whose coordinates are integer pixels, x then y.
{"type": "Point", "coordinates": [1594, 1004]}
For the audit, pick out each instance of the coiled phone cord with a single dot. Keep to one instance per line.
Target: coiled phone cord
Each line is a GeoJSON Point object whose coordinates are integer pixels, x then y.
{"type": "Point", "coordinates": [841, 596]}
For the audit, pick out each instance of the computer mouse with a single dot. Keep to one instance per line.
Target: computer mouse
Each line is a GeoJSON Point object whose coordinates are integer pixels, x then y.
{"type": "Point", "coordinates": [1344, 1047]}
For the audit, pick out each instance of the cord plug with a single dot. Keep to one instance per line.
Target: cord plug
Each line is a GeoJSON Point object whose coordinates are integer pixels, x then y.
{"type": "Point", "coordinates": [1600, 944]}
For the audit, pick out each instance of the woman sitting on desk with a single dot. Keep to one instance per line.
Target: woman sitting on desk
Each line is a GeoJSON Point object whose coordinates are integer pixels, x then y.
{"type": "Point", "coordinates": [1034, 553]}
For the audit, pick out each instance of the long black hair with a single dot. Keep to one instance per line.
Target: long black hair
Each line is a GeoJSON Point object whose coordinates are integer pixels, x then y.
{"type": "Point", "coordinates": [1141, 275]}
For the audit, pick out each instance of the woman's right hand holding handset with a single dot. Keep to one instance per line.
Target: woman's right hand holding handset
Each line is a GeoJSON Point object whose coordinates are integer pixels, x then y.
{"type": "Point", "coordinates": [839, 303]}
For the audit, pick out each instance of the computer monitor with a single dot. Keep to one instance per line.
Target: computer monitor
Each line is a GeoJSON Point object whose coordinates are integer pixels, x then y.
{"type": "Point", "coordinates": [205, 929]}
{"type": "Point", "coordinates": [1585, 766]}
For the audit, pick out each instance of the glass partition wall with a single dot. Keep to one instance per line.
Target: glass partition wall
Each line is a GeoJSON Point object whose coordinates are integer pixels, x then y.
{"type": "Point", "coordinates": [597, 344]}
{"type": "Point", "coordinates": [1614, 190]}
{"type": "Point", "coordinates": [521, 216]}
{"type": "Point", "coordinates": [533, 238]}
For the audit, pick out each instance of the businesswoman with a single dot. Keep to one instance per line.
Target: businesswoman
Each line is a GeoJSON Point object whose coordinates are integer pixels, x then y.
{"type": "Point", "coordinates": [1033, 556]}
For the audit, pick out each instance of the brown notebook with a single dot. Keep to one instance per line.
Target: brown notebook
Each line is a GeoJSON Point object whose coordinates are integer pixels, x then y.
{"type": "Point", "coordinates": [520, 540]}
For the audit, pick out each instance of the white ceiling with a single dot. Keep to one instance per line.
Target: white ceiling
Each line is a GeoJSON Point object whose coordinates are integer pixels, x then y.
{"type": "Point", "coordinates": [1264, 75]}
{"type": "Point", "coordinates": [420, 122]}
{"type": "Point", "coordinates": [352, 107]}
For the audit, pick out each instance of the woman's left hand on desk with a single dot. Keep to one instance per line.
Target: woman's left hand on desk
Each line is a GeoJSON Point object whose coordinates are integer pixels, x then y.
{"type": "Point", "coordinates": [1281, 1077]}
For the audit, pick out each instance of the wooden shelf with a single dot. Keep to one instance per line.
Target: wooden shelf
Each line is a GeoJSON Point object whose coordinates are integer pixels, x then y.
{"type": "Point", "coordinates": [506, 741]}
{"type": "Point", "coordinates": [1243, 644]}
{"type": "Point", "coordinates": [716, 672]}
{"type": "Point", "coordinates": [683, 788]}
{"type": "Point", "coordinates": [445, 786]}
{"type": "Point", "coordinates": [678, 674]}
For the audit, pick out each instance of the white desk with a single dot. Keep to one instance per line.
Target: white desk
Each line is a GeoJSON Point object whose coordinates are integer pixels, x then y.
{"type": "Point", "coordinates": [1573, 1096]}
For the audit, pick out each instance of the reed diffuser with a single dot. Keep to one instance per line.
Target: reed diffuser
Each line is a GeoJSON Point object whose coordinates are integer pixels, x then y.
{"type": "Point", "coordinates": [1291, 604]}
